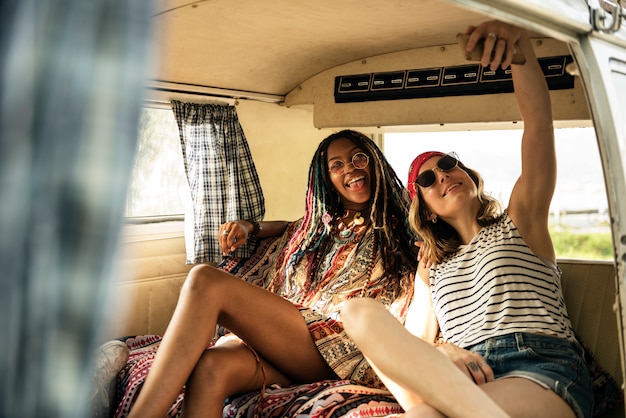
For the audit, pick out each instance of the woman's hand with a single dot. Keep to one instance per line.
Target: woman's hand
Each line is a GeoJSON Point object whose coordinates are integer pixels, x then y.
{"type": "Point", "coordinates": [233, 235]}
{"type": "Point", "coordinates": [423, 260]}
{"type": "Point", "coordinates": [473, 365]}
{"type": "Point", "coordinates": [500, 42]}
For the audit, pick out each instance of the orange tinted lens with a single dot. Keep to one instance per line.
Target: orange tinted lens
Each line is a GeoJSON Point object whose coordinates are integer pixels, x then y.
{"type": "Point", "coordinates": [360, 160]}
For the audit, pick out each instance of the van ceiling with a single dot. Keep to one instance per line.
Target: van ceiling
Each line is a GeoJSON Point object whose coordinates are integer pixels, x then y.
{"type": "Point", "coordinates": [272, 46]}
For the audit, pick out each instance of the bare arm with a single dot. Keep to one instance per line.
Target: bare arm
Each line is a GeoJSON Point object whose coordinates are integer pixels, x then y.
{"type": "Point", "coordinates": [421, 320]}
{"type": "Point", "coordinates": [529, 204]}
{"type": "Point", "coordinates": [235, 234]}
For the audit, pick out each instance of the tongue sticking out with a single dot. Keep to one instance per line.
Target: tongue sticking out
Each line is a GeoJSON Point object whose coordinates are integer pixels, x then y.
{"type": "Point", "coordinates": [357, 185]}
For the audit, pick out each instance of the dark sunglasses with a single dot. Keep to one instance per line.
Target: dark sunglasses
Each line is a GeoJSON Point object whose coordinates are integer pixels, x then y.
{"type": "Point", "coordinates": [445, 164]}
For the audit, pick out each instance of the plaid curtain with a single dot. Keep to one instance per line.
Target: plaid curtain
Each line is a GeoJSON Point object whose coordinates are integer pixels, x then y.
{"type": "Point", "coordinates": [222, 177]}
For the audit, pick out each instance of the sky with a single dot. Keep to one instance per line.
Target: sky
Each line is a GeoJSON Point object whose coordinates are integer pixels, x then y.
{"type": "Point", "coordinates": [495, 154]}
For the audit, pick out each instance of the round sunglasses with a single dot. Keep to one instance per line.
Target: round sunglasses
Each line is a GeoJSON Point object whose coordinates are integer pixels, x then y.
{"type": "Point", "coordinates": [428, 177]}
{"type": "Point", "coordinates": [360, 160]}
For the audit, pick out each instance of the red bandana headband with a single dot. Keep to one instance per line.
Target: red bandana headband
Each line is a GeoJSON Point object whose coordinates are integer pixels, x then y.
{"type": "Point", "coordinates": [414, 169]}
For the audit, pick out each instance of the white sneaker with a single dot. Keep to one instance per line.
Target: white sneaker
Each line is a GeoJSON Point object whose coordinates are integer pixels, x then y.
{"type": "Point", "coordinates": [110, 359]}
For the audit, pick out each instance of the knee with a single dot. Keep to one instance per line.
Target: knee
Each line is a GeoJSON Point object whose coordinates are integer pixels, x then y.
{"type": "Point", "coordinates": [201, 278]}
{"type": "Point", "coordinates": [223, 372]}
{"type": "Point", "coordinates": [211, 368]}
{"type": "Point", "coordinates": [357, 313]}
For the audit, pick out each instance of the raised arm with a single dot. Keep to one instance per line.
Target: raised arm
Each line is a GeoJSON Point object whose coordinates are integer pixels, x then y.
{"type": "Point", "coordinates": [529, 205]}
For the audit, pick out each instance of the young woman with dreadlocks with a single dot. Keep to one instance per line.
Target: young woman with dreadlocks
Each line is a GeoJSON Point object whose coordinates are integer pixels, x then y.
{"type": "Point", "coordinates": [353, 241]}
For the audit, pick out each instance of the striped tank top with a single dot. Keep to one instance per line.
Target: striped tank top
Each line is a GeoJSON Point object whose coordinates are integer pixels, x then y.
{"type": "Point", "coordinates": [496, 285]}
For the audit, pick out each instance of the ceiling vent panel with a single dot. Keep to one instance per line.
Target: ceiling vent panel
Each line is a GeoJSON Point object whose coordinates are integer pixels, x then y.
{"type": "Point", "coordinates": [459, 80]}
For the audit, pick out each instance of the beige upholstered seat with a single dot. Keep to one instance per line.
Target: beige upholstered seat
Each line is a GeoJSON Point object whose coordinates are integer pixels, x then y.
{"type": "Point", "coordinates": [589, 291]}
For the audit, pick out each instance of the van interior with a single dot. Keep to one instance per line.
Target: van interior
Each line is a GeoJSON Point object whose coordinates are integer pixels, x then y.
{"type": "Point", "coordinates": [297, 71]}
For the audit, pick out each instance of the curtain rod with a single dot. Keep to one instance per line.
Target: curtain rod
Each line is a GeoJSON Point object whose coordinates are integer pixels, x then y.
{"type": "Point", "coordinates": [217, 93]}
{"type": "Point", "coordinates": [157, 103]}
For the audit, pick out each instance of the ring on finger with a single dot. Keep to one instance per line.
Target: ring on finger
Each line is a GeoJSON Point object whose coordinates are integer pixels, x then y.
{"type": "Point", "coordinates": [482, 363]}
{"type": "Point", "coordinates": [225, 232]}
{"type": "Point", "coordinates": [492, 35]}
{"type": "Point", "coordinates": [473, 366]}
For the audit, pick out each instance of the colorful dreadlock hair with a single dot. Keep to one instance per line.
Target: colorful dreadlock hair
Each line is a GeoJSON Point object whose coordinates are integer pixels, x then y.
{"type": "Point", "coordinates": [388, 213]}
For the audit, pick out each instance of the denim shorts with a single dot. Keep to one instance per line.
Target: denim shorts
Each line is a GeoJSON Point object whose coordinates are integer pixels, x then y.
{"type": "Point", "coordinates": [552, 362]}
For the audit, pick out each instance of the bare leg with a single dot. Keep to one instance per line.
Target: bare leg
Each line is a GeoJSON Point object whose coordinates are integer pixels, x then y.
{"type": "Point", "coordinates": [267, 322]}
{"type": "Point", "coordinates": [422, 411]}
{"type": "Point", "coordinates": [432, 376]}
{"type": "Point", "coordinates": [426, 374]}
{"type": "Point", "coordinates": [227, 369]}
{"type": "Point", "coordinates": [522, 398]}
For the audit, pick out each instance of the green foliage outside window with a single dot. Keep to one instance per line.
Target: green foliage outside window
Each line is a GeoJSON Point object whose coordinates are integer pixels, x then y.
{"type": "Point", "coordinates": [590, 245]}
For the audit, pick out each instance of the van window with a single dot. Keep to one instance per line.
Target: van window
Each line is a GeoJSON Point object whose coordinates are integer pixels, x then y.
{"type": "Point", "coordinates": [618, 76]}
{"type": "Point", "coordinates": [579, 218]}
{"type": "Point", "coordinates": [158, 185]}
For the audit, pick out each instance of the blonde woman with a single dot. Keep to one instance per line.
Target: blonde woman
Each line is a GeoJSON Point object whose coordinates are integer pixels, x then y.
{"type": "Point", "coordinates": [491, 277]}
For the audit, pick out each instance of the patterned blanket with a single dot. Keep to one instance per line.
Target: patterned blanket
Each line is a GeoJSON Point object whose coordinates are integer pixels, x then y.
{"type": "Point", "coordinates": [326, 399]}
